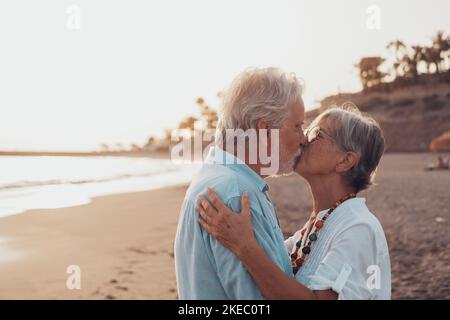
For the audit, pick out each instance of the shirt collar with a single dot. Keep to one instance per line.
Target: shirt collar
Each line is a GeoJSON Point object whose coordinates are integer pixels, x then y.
{"type": "Point", "coordinates": [217, 155]}
{"type": "Point", "coordinates": [349, 202]}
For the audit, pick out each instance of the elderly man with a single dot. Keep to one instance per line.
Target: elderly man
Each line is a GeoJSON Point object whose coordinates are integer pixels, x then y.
{"type": "Point", "coordinates": [264, 112]}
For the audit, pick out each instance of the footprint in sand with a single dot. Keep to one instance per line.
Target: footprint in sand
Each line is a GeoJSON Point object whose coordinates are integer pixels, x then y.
{"type": "Point", "coordinates": [126, 272]}
{"type": "Point", "coordinates": [99, 292]}
{"type": "Point", "coordinates": [142, 251]}
{"type": "Point", "coordinates": [137, 250]}
{"type": "Point", "coordinates": [121, 288]}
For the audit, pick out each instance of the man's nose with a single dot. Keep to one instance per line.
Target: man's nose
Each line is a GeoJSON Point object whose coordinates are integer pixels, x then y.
{"type": "Point", "coordinates": [303, 140]}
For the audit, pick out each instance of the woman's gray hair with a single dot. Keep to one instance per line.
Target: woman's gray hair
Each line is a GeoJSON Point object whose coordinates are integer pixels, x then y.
{"type": "Point", "coordinates": [354, 131]}
{"type": "Point", "coordinates": [257, 94]}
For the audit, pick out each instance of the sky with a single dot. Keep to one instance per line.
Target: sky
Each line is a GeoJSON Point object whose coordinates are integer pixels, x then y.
{"type": "Point", "coordinates": [75, 74]}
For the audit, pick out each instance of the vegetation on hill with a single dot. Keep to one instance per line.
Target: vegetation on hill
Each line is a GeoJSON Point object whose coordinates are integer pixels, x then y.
{"type": "Point", "coordinates": [408, 93]}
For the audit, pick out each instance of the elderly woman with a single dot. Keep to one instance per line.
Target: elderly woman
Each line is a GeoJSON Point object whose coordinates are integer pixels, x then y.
{"type": "Point", "coordinates": [341, 252]}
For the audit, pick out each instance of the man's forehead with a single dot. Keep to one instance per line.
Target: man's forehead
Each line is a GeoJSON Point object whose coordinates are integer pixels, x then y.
{"type": "Point", "coordinates": [299, 109]}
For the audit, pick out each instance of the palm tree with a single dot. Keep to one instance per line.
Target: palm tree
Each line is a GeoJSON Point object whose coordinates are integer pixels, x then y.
{"type": "Point", "coordinates": [104, 147]}
{"type": "Point", "coordinates": [164, 143]}
{"type": "Point", "coordinates": [441, 42]}
{"type": "Point", "coordinates": [150, 145]}
{"type": "Point", "coordinates": [134, 147]}
{"type": "Point", "coordinates": [412, 60]}
{"type": "Point", "coordinates": [399, 50]}
{"type": "Point", "coordinates": [417, 56]}
{"type": "Point", "coordinates": [167, 134]}
{"type": "Point", "coordinates": [438, 52]}
{"type": "Point", "coordinates": [208, 114]}
{"type": "Point", "coordinates": [188, 123]}
{"type": "Point", "coordinates": [200, 101]}
{"type": "Point", "coordinates": [432, 56]}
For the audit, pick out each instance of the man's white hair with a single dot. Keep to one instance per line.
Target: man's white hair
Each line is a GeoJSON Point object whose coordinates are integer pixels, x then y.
{"type": "Point", "coordinates": [255, 94]}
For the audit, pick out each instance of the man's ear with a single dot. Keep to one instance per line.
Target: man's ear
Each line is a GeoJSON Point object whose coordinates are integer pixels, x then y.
{"type": "Point", "coordinates": [348, 161]}
{"type": "Point", "coordinates": [262, 124]}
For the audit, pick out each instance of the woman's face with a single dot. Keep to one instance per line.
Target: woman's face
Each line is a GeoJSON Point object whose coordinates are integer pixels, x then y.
{"type": "Point", "coordinates": [321, 155]}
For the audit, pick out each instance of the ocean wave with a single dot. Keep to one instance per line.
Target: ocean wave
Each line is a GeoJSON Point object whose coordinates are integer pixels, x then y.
{"type": "Point", "coordinates": [28, 183]}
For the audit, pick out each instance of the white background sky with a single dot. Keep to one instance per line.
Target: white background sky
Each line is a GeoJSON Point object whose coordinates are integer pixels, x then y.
{"type": "Point", "coordinates": [136, 67]}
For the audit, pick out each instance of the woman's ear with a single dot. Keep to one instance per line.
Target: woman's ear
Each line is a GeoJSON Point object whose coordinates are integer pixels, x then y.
{"type": "Point", "coordinates": [348, 161]}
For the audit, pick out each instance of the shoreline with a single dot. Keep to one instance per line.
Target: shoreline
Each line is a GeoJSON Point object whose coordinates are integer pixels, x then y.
{"type": "Point", "coordinates": [132, 154]}
{"type": "Point", "coordinates": [122, 243]}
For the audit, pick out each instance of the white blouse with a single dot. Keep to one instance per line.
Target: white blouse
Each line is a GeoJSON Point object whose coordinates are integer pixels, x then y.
{"type": "Point", "coordinates": [350, 256]}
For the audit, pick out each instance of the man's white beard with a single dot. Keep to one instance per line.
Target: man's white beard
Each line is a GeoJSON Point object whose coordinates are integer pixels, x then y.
{"type": "Point", "coordinates": [288, 167]}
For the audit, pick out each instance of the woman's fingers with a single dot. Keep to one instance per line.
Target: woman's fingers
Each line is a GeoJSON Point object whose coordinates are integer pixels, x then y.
{"type": "Point", "coordinates": [205, 226]}
{"type": "Point", "coordinates": [207, 206]}
{"type": "Point", "coordinates": [207, 220]}
{"type": "Point", "coordinates": [202, 213]}
{"type": "Point", "coordinates": [216, 200]}
{"type": "Point", "coordinates": [234, 231]}
{"type": "Point", "coordinates": [203, 202]}
{"type": "Point", "coordinates": [245, 204]}
{"type": "Point", "coordinates": [206, 210]}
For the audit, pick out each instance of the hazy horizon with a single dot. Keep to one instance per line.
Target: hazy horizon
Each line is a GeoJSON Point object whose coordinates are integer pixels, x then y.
{"type": "Point", "coordinates": [136, 68]}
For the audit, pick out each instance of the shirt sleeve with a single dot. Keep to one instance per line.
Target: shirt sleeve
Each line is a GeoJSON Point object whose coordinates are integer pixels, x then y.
{"type": "Point", "coordinates": [236, 280]}
{"type": "Point", "coordinates": [344, 267]}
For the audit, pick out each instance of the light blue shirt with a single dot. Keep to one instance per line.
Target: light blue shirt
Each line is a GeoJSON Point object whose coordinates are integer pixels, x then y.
{"type": "Point", "coordinates": [204, 268]}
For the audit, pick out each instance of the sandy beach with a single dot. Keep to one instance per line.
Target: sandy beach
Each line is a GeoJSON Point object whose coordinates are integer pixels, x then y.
{"type": "Point", "coordinates": [124, 243]}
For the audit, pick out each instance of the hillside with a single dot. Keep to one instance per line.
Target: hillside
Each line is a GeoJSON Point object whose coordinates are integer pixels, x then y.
{"type": "Point", "coordinates": [411, 113]}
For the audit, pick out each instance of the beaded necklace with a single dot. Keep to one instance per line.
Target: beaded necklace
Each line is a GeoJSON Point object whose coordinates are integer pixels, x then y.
{"type": "Point", "coordinates": [300, 252]}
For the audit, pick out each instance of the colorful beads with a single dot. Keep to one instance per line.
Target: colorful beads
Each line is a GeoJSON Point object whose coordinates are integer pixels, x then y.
{"type": "Point", "coordinates": [296, 261]}
{"type": "Point", "coordinates": [313, 237]}
{"type": "Point", "coordinates": [299, 262]}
